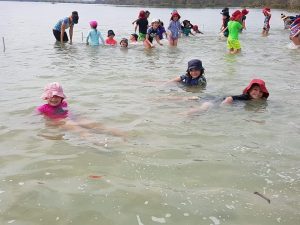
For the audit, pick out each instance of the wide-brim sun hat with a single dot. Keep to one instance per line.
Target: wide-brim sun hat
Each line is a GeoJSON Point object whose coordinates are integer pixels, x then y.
{"type": "Point", "coordinates": [195, 64]}
{"type": "Point", "coordinates": [175, 14]}
{"type": "Point", "coordinates": [261, 84]}
{"type": "Point", "coordinates": [245, 11]}
{"type": "Point", "coordinates": [237, 15]}
{"type": "Point", "coordinates": [110, 32]}
{"type": "Point", "coordinates": [53, 89]}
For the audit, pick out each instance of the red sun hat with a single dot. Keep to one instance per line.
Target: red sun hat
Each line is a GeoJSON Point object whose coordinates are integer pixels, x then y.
{"type": "Point", "coordinates": [245, 12]}
{"type": "Point", "coordinates": [142, 14]}
{"type": "Point", "coordinates": [175, 13]}
{"type": "Point", "coordinates": [237, 15]}
{"type": "Point", "coordinates": [261, 84]}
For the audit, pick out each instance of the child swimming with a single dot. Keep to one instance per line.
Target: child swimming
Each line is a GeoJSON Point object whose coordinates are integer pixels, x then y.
{"type": "Point", "coordinates": [142, 23]}
{"type": "Point", "coordinates": [56, 109]}
{"type": "Point", "coordinates": [254, 91]}
{"type": "Point", "coordinates": [94, 35]}
{"type": "Point", "coordinates": [225, 20]}
{"type": "Point", "coordinates": [194, 74]}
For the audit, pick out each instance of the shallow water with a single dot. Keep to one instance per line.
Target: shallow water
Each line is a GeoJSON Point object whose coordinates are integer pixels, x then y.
{"type": "Point", "coordinates": [174, 169]}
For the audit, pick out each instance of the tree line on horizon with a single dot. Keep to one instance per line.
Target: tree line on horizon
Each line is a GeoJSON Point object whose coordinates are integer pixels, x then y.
{"type": "Point", "coordinates": [285, 4]}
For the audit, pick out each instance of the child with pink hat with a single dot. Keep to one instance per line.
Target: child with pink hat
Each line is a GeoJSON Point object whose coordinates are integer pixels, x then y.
{"type": "Point", "coordinates": [94, 35]}
{"type": "Point", "coordinates": [56, 109]}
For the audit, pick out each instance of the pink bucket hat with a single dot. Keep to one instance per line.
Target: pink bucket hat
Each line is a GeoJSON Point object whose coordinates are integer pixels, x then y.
{"type": "Point", "coordinates": [93, 24]}
{"type": "Point", "coordinates": [53, 89]}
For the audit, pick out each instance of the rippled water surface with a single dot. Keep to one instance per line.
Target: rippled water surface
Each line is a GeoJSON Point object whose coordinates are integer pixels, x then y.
{"type": "Point", "coordinates": [174, 168]}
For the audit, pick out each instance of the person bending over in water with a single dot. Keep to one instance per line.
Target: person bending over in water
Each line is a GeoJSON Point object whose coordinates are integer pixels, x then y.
{"type": "Point", "coordinates": [194, 74]}
{"type": "Point", "coordinates": [62, 25]}
{"type": "Point", "coordinates": [152, 33]}
{"type": "Point", "coordinates": [56, 109]}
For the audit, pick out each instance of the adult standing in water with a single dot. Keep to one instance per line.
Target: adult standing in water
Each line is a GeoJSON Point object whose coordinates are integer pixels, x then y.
{"type": "Point", "coordinates": [60, 27]}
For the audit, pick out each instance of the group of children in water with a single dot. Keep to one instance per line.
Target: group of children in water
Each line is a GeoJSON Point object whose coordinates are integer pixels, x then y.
{"type": "Point", "coordinates": [232, 25]}
{"type": "Point", "coordinates": [56, 105]}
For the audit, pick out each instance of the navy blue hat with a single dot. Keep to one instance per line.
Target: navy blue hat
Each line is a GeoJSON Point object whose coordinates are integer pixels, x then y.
{"type": "Point", "coordinates": [195, 64]}
{"type": "Point", "coordinates": [110, 32]}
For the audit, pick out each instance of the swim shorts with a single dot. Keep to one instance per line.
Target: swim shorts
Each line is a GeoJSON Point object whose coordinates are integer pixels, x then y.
{"type": "Point", "coordinates": [233, 44]}
{"type": "Point", "coordinates": [141, 37]}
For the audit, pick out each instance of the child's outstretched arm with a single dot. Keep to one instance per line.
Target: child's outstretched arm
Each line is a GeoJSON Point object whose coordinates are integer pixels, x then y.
{"type": "Point", "coordinates": [227, 100]}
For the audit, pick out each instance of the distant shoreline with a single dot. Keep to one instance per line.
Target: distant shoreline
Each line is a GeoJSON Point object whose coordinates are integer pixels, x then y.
{"type": "Point", "coordinates": [161, 5]}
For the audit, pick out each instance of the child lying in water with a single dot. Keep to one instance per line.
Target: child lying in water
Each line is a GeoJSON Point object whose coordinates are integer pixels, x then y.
{"type": "Point", "coordinates": [56, 109]}
{"type": "Point", "coordinates": [256, 90]}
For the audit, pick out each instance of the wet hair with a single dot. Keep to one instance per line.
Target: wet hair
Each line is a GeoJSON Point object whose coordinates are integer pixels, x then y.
{"type": "Point", "coordinates": [125, 40]}
{"type": "Point", "coordinates": [135, 36]}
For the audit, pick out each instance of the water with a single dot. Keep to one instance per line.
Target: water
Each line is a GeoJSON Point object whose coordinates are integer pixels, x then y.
{"type": "Point", "coordinates": [174, 169]}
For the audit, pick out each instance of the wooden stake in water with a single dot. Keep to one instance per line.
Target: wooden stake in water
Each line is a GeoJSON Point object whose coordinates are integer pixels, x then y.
{"type": "Point", "coordinates": [82, 36]}
{"type": "Point", "coordinates": [3, 44]}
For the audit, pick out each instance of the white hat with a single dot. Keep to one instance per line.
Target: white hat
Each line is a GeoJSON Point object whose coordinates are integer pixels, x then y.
{"type": "Point", "coordinates": [155, 20]}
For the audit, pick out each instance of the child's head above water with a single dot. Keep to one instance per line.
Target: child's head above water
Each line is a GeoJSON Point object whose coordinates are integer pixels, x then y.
{"type": "Point", "coordinates": [133, 37]}
{"type": "Point", "coordinates": [175, 16]}
{"type": "Point", "coordinates": [257, 89]}
{"type": "Point", "coordinates": [110, 34]}
{"type": "Point", "coordinates": [195, 68]}
{"type": "Point", "coordinates": [53, 93]}
{"type": "Point", "coordinates": [93, 24]}
{"type": "Point", "coordinates": [124, 43]}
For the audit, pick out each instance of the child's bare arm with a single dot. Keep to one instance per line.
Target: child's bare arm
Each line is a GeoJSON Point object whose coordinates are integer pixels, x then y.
{"type": "Point", "coordinates": [228, 100]}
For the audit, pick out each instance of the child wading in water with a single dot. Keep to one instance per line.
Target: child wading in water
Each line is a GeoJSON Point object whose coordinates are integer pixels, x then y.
{"type": "Point", "coordinates": [234, 27]}
{"type": "Point", "coordinates": [56, 109]}
{"type": "Point", "coordinates": [94, 35]}
{"type": "Point", "coordinates": [142, 23]}
{"type": "Point", "coordinates": [110, 38]}
{"type": "Point", "coordinates": [151, 34]}
{"type": "Point", "coordinates": [266, 28]}
{"type": "Point", "coordinates": [194, 74]}
{"type": "Point", "coordinates": [174, 29]}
